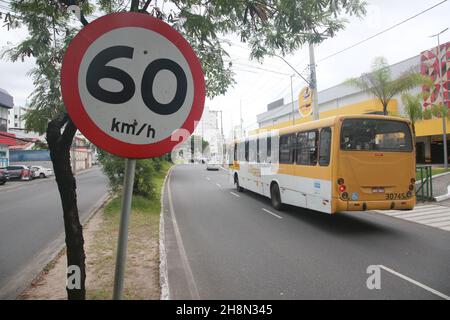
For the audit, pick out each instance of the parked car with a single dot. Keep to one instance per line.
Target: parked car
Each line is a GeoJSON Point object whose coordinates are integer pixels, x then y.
{"type": "Point", "coordinates": [19, 172]}
{"type": "Point", "coordinates": [212, 164]}
{"type": "Point", "coordinates": [41, 172]}
{"type": "Point", "coordinates": [3, 176]}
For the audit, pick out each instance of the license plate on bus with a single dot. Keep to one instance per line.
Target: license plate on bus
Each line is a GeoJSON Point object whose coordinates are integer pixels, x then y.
{"type": "Point", "coordinates": [378, 190]}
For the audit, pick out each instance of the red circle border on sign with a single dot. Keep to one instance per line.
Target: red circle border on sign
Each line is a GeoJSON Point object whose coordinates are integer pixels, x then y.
{"type": "Point", "coordinates": [70, 91]}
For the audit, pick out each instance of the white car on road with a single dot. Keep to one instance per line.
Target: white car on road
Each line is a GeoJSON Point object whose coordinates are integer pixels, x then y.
{"type": "Point", "coordinates": [212, 164]}
{"type": "Point", "coordinates": [41, 172]}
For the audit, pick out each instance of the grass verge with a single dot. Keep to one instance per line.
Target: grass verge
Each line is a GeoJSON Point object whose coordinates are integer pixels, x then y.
{"type": "Point", "coordinates": [142, 266]}
{"type": "Point", "coordinates": [434, 171]}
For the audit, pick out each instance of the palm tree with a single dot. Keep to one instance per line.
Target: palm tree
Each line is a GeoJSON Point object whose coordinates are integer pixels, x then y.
{"type": "Point", "coordinates": [380, 84]}
{"type": "Point", "coordinates": [413, 108]}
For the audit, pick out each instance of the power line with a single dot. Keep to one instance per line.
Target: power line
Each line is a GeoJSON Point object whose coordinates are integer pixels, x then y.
{"type": "Point", "coordinates": [383, 31]}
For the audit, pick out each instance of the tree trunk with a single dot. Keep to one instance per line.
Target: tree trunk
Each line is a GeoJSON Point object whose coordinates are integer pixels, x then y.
{"type": "Point", "coordinates": [385, 109]}
{"type": "Point", "coordinates": [59, 145]}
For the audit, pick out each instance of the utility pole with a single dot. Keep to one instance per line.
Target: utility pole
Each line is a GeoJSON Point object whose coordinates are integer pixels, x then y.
{"type": "Point", "coordinates": [441, 98]}
{"type": "Point", "coordinates": [313, 82]}
{"type": "Point", "coordinates": [240, 116]}
{"type": "Point", "coordinates": [292, 102]}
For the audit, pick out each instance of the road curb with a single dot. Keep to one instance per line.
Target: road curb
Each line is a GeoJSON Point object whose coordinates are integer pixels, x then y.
{"type": "Point", "coordinates": [163, 273]}
{"type": "Point", "coordinates": [443, 197]}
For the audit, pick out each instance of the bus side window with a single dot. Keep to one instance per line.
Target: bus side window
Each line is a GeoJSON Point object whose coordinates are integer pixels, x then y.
{"type": "Point", "coordinates": [246, 150]}
{"type": "Point", "coordinates": [269, 147]}
{"type": "Point", "coordinates": [313, 137]}
{"type": "Point", "coordinates": [325, 146]}
{"type": "Point", "coordinates": [257, 149]}
{"type": "Point", "coordinates": [235, 152]}
{"type": "Point", "coordinates": [287, 148]}
{"type": "Point", "coordinates": [307, 148]}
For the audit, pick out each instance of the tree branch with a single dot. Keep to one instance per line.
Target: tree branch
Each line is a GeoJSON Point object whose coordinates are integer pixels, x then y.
{"type": "Point", "coordinates": [68, 134]}
{"type": "Point", "coordinates": [134, 6]}
{"type": "Point", "coordinates": [54, 128]}
{"type": "Point", "coordinates": [144, 8]}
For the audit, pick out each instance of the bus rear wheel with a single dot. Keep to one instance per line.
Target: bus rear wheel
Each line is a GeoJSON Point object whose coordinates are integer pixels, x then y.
{"type": "Point", "coordinates": [275, 197]}
{"type": "Point", "coordinates": [236, 182]}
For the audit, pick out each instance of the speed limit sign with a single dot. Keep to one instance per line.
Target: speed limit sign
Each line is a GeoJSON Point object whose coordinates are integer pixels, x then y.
{"type": "Point", "coordinates": [129, 81]}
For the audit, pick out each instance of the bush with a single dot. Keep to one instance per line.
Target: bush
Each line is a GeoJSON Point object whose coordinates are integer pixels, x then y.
{"type": "Point", "coordinates": [114, 169]}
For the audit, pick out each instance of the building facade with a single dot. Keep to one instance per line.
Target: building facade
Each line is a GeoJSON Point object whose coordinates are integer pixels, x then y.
{"type": "Point", "coordinates": [15, 119]}
{"type": "Point", "coordinates": [344, 99]}
{"type": "Point", "coordinates": [6, 139]}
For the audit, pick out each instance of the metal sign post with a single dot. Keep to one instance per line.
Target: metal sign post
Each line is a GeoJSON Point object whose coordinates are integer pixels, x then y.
{"type": "Point", "coordinates": [163, 90]}
{"type": "Point", "coordinates": [130, 167]}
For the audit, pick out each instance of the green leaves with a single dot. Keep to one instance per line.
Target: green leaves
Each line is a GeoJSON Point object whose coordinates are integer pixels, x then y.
{"type": "Point", "coordinates": [146, 169]}
{"type": "Point", "coordinates": [268, 26]}
{"type": "Point", "coordinates": [440, 111]}
{"type": "Point", "coordinates": [380, 84]}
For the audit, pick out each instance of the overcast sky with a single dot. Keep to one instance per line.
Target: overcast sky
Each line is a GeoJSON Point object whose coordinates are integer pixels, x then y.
{"type": "Point", "coordinates": [255, 88]}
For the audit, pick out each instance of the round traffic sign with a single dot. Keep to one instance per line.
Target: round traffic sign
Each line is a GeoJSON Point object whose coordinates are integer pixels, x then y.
{"type": "Point", "coordinates": [129, 81]}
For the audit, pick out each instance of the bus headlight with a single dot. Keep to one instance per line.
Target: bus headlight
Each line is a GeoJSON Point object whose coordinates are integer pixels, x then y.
{"type": "Point", "coordinates": [342, 188]}
{"type": "Point", "coordinates": [340, 181]}
{"type": "Point", "coordinates": [344, 196]}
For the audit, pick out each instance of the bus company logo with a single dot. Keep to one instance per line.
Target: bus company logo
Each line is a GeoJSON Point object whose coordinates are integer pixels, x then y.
{"type": "Point", "coordinates": [316, 184]}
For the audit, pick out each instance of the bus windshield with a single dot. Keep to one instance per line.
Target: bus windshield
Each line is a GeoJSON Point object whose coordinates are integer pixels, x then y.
{"type": "Point", "coordinates": [375, 135]}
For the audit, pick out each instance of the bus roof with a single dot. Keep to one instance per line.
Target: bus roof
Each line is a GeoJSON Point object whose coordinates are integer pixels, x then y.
{"type": "Point", "coordinates": [325, 122]}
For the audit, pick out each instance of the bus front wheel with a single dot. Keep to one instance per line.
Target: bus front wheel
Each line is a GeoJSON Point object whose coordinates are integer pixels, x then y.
{"type": "Point", "coordinates": [236, 182]}
{"type": "Point", "coordinates": [275, 197]}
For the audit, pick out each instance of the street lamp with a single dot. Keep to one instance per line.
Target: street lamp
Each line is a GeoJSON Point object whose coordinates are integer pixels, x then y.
{"type": "Point", "coordinates": [440, 95]}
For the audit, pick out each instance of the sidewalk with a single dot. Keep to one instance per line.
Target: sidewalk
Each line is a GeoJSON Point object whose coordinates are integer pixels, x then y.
{"type": "Point", "coordinates": [441, 186]}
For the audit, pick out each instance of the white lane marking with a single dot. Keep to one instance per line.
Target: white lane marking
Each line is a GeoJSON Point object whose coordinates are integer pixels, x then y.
{"type": "Point", "coordinates": [208, 178]}
{"type": "Point", "coordinates": [440, 223]}
{"type": "Point", "coordinates": [426, 215]}
{"type": "Point", "coordinates": [431, 217]}
{"type": "Point", "coordinates": [218, 185]}
{"type": "Point", "coordinates": [422, 214]}
{"type": "Point", "coordinates": [417, 283]}
{"type": "Point", "coordinates": [274, 214]}
{"type": "Point", "coordinates": [184, 260]}
{"type": "Point", "coordinates": [235, 194]}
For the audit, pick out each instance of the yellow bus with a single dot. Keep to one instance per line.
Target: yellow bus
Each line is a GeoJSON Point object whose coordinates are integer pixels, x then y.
{"type": "Point", "coordinates": [341, 163]}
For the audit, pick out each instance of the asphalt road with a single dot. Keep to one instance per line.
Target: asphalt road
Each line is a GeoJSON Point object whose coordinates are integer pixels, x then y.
{"type": "Point", "coordinates": [234, 249]}
{"type": "Point", "coordinates": [31, 225]}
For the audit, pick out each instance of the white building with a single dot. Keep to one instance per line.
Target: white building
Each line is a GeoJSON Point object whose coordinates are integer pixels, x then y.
{"type": "Point", "coordinates": [6, 139]}
{"type": "Point", "coordinates": [15, 119]}
{"type": "Point", "coordinates": [345, 99]}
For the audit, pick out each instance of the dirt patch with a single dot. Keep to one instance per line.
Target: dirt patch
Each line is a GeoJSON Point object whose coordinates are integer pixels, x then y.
{"type": "Point", "coordinates": [100, 233]}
